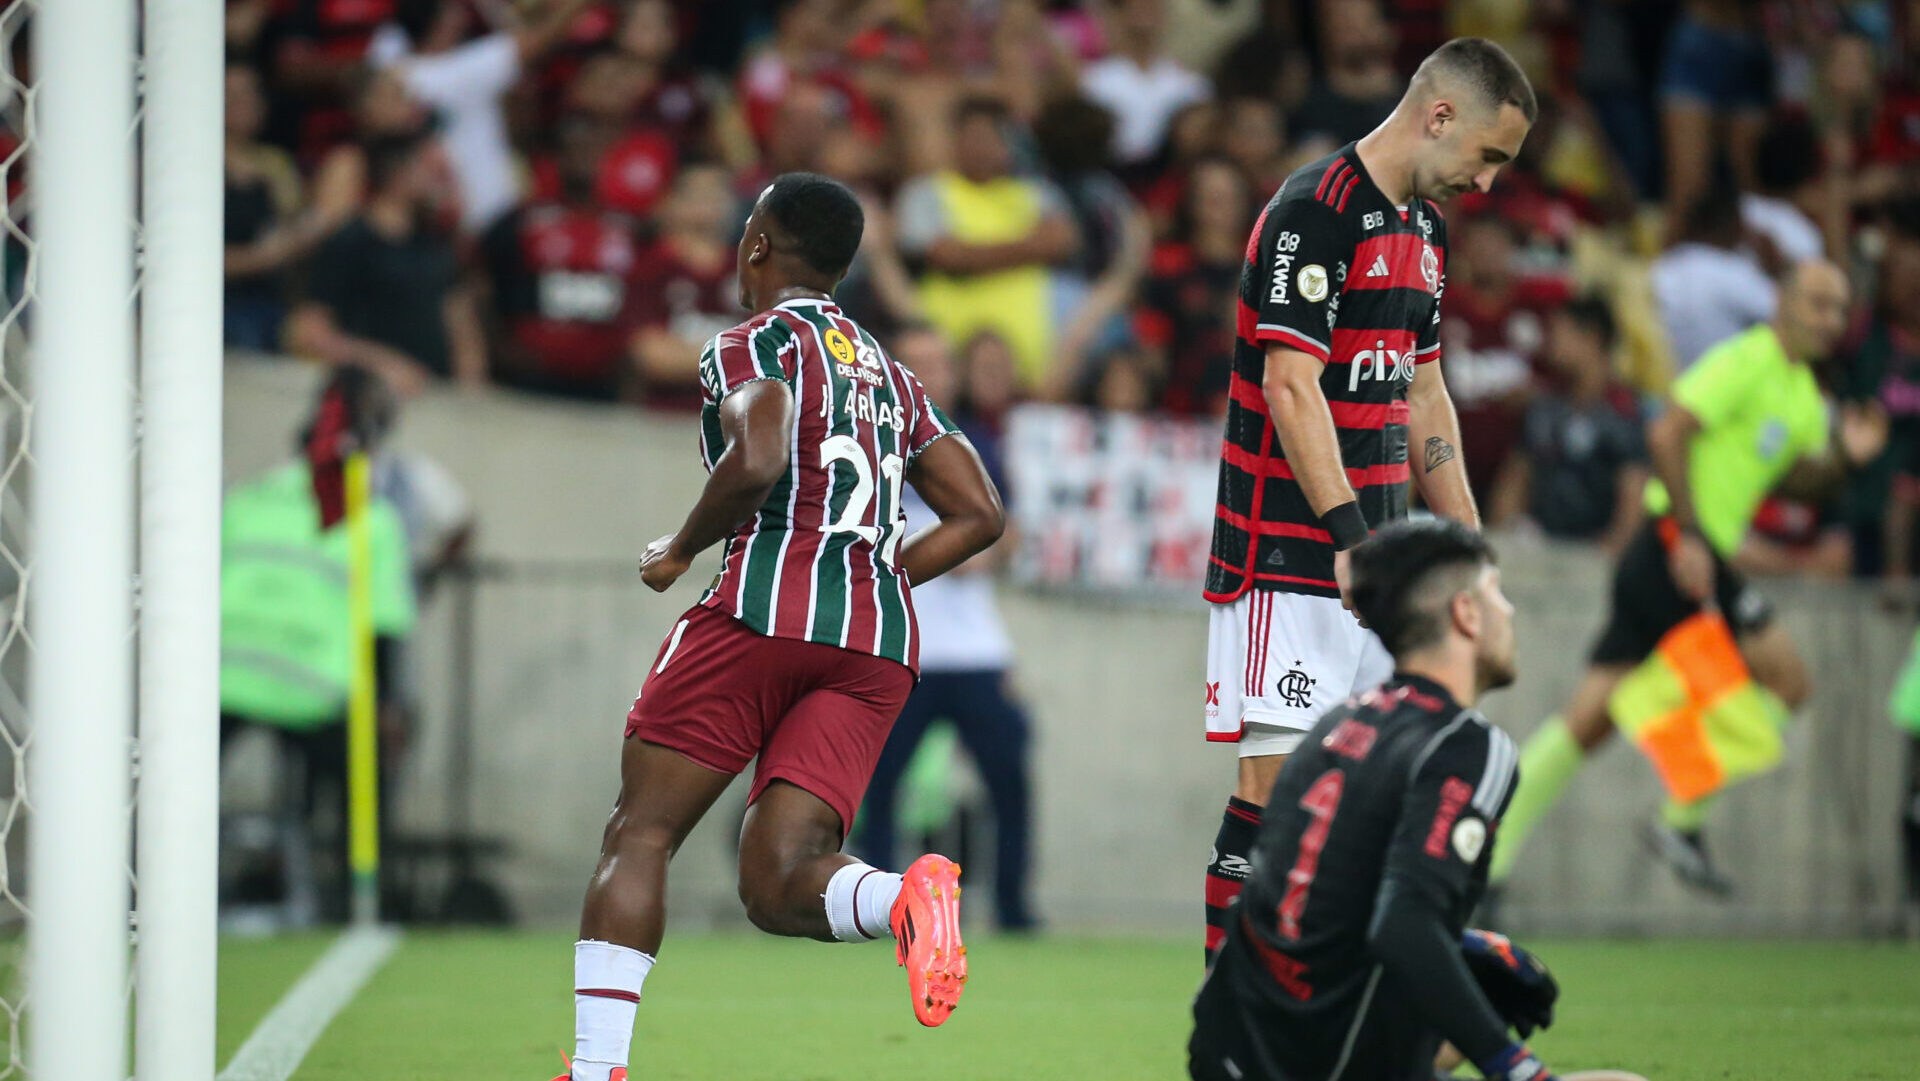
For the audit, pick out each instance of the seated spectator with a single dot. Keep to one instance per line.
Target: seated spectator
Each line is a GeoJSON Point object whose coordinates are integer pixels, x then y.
{"type": "Point", "coordinates": [316, 51]}
{"type": "Point", "coordinates": [686, 291]}
{"type": "Point", "coordinates": [560, 268]}
{"type": "Point", "coordinates": [804, 48]}
{"type": "Point", "coordinates": [1792, 200]}
{"type": "Point", "coordinates": [1138, 82]}
{"type": "Point", "coordinates": [1492, 327]}
{"type": "Point", "coordinates": [1253, 133]}
{"type": "Point", "coordinates": [384, 292]}
{"type": "Point", "coordinates": [1358, 84]}
{"type": "Point", "coordinates": [286, 655]}
{"type": "Point", "coordinates": [1708, 286]}
{"type": "Point", "coordinates": [640, 82]}
{"type": "Point", "coordinates": [265, 229]}
{"type": "Point", "coordinates": [1582, 459]}
{"type": "Point", "coordinates": [989, 387]}
{"type": "Point", "coordinates": [1193, 285]}
{"type": "Point", "coordinates": [1125, 381]}
{"type": "Point", "coordinates": [463, 81]}
{"type": "Point", "coordinates": [1883, 355]}
{"type": "Point", "coordinates": [382, 109]}
{"type": "Point", "coordinates": [1094, 288]}
{"type": "Point", "coordinates": [986, 241]}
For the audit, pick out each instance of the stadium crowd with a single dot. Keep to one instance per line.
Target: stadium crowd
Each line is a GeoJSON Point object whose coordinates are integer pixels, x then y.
{"type": "Point", "coordinates": [547, 198]}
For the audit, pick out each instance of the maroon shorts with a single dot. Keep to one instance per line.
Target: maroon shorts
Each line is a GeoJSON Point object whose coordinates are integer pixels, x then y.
{"type": "Point", "coordinates": [721, 693]}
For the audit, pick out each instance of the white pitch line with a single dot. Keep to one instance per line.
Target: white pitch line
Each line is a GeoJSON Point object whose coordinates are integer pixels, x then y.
{"type": "Point", "coordinates": [287, 1033]}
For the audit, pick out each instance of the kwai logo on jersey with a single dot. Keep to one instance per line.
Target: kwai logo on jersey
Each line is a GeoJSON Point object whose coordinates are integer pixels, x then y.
{"type": "Point", "coordinates": [1386, 365]}
{"type": "Point", "coordinates": [1283, 250]}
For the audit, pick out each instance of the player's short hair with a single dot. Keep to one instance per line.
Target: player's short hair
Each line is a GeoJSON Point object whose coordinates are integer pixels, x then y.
{"type": "Point", "coordinates": [1404, 575]}
{"type": "Point", "coordinates": [1484, 67]}
{"type": "Point", "coordinates": [820, 216]}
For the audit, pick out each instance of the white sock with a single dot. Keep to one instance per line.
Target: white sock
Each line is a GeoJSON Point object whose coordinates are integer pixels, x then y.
{"type": "Point", "coordinates": [860, 902]}
{"type": "Point", "coordinates": [606, 993]}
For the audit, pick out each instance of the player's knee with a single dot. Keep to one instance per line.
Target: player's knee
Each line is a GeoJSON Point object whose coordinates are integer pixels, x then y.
{"type": "Point", "coordinates": [764, 896]}
{"type": "Point", "coordinates": [632, 835]}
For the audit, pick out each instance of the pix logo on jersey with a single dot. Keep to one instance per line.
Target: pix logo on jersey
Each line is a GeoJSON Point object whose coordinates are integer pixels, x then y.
{"type": "Point", "coordinates": [1387, 365]}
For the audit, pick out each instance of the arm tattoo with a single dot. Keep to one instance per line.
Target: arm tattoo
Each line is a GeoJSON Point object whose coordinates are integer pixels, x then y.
{"type": "Point", "coordinates": [1439, 453]}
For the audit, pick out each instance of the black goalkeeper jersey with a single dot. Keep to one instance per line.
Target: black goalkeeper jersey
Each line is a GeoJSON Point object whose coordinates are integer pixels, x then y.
{"type": "Point", "coordinates": [1401, 786]}
{"type": "Point", "coordinates": [1335, 270]}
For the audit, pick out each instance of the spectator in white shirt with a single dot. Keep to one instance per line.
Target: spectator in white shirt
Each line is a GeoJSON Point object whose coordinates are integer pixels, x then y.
{"type": "Point", "coordinates": [1708, 286]}
{"type": "Point", "coordinates": [1138, 82]}
{"type": "Point", "coordinates": [464, 81]}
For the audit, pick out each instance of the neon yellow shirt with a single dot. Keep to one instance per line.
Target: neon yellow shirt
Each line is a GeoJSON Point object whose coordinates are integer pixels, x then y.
{"type": "Point", "coordinates": [286, 656]}
{"type": "Point", "coordinates": [1759, 412]}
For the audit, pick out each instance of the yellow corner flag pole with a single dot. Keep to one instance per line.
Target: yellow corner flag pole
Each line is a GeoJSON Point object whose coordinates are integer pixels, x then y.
{"type": "Point", "coordinates": [363, 748]}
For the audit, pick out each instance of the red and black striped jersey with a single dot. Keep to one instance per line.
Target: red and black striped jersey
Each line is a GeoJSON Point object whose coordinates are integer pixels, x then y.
{"type": "Point", "coordinates": [1335, 270]}
{"type": "Point", "coordinates": [816, 562]}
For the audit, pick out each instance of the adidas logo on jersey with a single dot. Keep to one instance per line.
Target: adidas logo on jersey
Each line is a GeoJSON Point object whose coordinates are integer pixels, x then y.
{"type": "Point", "coordinates": [1379, 268]}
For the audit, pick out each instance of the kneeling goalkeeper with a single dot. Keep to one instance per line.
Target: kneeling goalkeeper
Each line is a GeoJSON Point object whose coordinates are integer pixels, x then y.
{"type": "Point", "coordinates": [1345, 958]}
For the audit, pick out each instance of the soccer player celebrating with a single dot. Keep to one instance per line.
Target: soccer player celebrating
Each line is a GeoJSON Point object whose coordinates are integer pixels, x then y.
{"type": "Point", "coordinates": [802, 651]}
{"type": "Point", "coordinates": [1346, 958]}
{"type": "Point", "coordinates": [1332, 379]}
{"type": "Point", "coordinates": [1747, 418]}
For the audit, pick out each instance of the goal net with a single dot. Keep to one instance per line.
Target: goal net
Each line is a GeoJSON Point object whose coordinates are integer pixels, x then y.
{"type": "Point", "coordinates": [110, 219]}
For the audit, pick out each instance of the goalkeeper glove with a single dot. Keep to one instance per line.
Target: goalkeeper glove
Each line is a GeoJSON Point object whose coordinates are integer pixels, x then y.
{"type": "Point", "coordinates": [1516, 983]}
{"type": "Point", "coordinates": [1515, 1063]}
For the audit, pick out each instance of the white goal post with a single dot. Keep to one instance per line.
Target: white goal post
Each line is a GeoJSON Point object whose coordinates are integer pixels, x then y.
{"type": "Point", "coordinates": [77, 599]}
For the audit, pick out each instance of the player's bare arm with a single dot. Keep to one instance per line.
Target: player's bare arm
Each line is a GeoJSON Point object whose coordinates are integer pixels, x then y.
{"type": "Point", "coordinates": [1669, 440]}
{"type": "Point", "coordinates": [950, 477]}
{"type": "Point", "coordinates": [1433, 430]}
{"type": "Point", "coordinates": [1304, 425]}
{"type": "Point", "coordinates": [756, 421]}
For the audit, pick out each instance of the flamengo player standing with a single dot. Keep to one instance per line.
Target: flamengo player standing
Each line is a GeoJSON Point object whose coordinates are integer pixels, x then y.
{"type": "Point", "coordinates": [1332, 377]}
{"type": "Point", "coordinates": [803, 650]}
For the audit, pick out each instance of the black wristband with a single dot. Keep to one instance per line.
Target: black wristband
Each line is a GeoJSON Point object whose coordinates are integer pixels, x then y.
{"type": "Point", "coordinates": [1347, 525]}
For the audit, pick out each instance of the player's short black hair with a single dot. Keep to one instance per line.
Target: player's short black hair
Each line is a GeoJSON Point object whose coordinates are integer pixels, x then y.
{"type": "Point", "coordinates": [1483, 65]}
{"type": "Point", "coordinates": [820, 216]}
{"type": "Point", "coordinates": [1590, 312]}
{"type": "Point", "coordinates": [1392, 569]}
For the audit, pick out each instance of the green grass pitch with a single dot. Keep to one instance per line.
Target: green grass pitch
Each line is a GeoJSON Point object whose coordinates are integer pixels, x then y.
{"type": "Point", "coordinates": [469, 1006]}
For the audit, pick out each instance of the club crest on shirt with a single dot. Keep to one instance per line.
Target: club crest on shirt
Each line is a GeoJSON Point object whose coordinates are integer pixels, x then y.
{"type": "Point", "coordinates": [1430, 269]}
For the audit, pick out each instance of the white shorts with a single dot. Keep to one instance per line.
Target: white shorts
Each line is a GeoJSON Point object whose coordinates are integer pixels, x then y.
{"type": "Point", "coordinates": [1277, 661]}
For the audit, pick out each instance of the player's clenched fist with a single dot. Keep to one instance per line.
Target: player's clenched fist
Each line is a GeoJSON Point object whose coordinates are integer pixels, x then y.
{"type": "Point", "coordinates": [660, 567]}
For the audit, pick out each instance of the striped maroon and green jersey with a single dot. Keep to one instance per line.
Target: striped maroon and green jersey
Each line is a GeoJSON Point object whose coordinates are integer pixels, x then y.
{"type": "Point", "coordinates": [817, 561]}
{"type": "Point", "coordinates": [1333, 269]}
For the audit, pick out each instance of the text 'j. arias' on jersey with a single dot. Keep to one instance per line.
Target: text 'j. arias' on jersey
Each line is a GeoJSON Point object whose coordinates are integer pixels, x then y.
{"type": "Point", "coordinates": [1334, 270]}
{"type": "Point", "coordinates": [1400, 785]}
{"type": "Point", "coordinates": [817, 561]}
